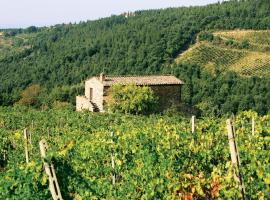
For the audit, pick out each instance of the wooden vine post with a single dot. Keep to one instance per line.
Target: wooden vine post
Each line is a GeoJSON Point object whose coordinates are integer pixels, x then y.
{"type": "Point", "coordinates": [193, 128]}
{"type": "Point", "coordinates": [27, 138]}
{"type": "Point", "coordinates": [235, 155]}
{"type": "Point", "coordinates": [113, 162]}
{"type": "Point", "coordinates": [49, 169]}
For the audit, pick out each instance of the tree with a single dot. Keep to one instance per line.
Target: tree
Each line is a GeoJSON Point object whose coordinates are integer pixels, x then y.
{"type": "Point", "coordinates": [244, 44]}
{"type": "Point", "coordinates": [31, 29]}
{"type": "Point", "coordinates": [32, 96]}
{"type": "Point", "coordinates": [205, 36]}
{"type": "Point", "coordinates": [132, 99]}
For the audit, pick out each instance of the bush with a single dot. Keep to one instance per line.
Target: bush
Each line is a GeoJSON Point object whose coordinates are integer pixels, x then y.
{"type": "Point", "coordinates": [58, 105]}
{"type": "Point", "coordinates": [244, 44]}
{"type": "Point", "coordinates": [32, 96]}
{"type": "Point", "coordinates": [132, 99]}
{"type": "Point", "coordinates": [205, 36]}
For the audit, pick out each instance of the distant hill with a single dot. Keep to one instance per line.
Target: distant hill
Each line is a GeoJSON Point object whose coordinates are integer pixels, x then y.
{"type": "Point", "coordinates": [246, 52]}
{"type": "Point", "coordinates": [61, 57]}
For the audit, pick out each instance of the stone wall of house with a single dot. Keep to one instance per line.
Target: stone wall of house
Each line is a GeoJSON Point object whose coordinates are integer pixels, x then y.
{"type": "Point", "coordinates": [97, 87]}
{"type": "Point", "coordinates": [168, 95]}
{"type": "Point", "coordinates": [82, 103]}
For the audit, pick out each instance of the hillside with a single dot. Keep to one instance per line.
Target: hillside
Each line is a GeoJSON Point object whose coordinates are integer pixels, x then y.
{"type": "Point", "coordinates": [14, 45]}
{"type": "Point", "coordinates": [62, 56]}
{"type": "Point", "coordinates": [243, 51]}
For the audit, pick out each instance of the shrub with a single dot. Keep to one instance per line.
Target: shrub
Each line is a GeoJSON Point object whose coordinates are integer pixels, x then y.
{"type": "Point", "coordinates": [59, 105]}
{"type": "Point", "coordinates": [132, 99]}
{"type": "Point", "coordinates": [32, 96]}
{"type": "Point", "coordinates": [205, 36]}
{"type": "Point", "coordinates": [244, 44]}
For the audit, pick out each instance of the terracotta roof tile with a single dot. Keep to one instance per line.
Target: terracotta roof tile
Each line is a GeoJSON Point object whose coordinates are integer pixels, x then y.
{"type": "Point", "coordinates": [142, 80]}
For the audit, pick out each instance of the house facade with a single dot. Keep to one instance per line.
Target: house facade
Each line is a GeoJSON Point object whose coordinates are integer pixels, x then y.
{"type": "Point", "coordinates": [166, 87]}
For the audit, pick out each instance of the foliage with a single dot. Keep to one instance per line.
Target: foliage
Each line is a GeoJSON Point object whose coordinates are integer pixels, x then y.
{"type": "Point", "coordinates": [65, 55]}
{"type": "Point", "coordinates": [245, 44]}
{"type": "Point", "coordinates": [32, 96]}
{"type": "Point", "coordinates": [156, 157]}
{"type": "Point", "coordinates": [205, 36]}
{"type": "Point", "coordinates": [132, 99]}
{"type": "Point", "coordinates": [65, 93]}
{"type": "Point", "coordinates": [223, 93]}
{"type": "Point", "coordinates": [61, 105]}
{"type": "Point", "coordinates": [24, 182]}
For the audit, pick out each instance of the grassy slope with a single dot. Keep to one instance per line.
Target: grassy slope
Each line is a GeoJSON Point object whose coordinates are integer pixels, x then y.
{"type": "Point", "coordinates": [254, 61]}
{"type": "Point", "coordinates": [67, 54]}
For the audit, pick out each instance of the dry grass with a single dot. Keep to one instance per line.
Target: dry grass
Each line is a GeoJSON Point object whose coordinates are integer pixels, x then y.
{"type": "Point", "coordinates": [261, 37]}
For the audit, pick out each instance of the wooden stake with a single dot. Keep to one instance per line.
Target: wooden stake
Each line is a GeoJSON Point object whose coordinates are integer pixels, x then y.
{"type": "Point", "coordinates": [26, 137]}
{"type": "Point", "coordinates": [253, 125]}
{"type": "Point", "coordinates": [49, 169]}
{"type": "Point", "coordinates": [113, 162]}
{"type": "Point", "coordinates": [193, 129]}
{"type": "Point", "coordinates": [235, 155]}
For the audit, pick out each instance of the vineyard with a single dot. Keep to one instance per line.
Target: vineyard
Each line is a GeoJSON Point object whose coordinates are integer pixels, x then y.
{"type": "Point", "coordinates": [254, 60]}
{"type": "Point", "coordinates": [211, 56]}
{"type": "Point", "coordinates": [156, 157]}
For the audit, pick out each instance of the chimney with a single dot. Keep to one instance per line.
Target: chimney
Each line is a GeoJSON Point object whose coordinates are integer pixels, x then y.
{"type": "Point", "coordinates": [102, 77]}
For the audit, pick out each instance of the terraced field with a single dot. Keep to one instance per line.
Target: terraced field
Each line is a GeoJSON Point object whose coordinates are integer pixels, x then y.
{"type": "Point", "coordinates": [251, 61]}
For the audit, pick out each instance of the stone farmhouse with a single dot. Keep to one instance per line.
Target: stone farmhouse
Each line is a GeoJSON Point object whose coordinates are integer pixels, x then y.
{"type": "Point", "coordinates": [166, 87]}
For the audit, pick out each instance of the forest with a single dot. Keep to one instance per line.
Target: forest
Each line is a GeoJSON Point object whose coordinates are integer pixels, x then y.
{"type": "Point", "coordinates": [59, 58]}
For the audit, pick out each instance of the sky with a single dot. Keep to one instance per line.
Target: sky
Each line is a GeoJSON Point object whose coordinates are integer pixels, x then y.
{"type": "Point", "coordinates": [25, 13]}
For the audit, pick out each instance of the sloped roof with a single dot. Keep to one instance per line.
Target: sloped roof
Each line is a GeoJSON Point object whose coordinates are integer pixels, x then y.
{"type": "Point", "coordinates": [142, 80]}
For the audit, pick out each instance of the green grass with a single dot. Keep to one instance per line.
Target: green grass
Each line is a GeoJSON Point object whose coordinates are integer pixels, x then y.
{"type": "Point", "coordinates": [252, 61]}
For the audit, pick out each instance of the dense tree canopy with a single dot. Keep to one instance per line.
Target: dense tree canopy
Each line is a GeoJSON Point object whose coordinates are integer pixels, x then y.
{"type": "Point", "coordinates": [147, 43]}
{"type": "Point", "coordinates": [223, 93]}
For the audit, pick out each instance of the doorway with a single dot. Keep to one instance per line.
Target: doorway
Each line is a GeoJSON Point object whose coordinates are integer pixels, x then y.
{"type": "Point", "coordinates": [91, 94]}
